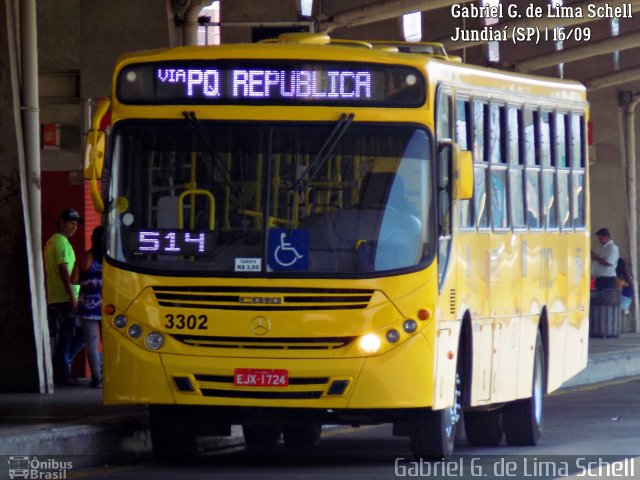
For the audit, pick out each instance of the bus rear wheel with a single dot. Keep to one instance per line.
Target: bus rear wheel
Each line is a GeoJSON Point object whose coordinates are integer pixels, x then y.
{"type": "Point", "coordinates": [171, 437]}
{"type": "Point", "coordinates": [301, 436]}
{"type": "Point", "coordinates": [483, 428]}
{"type": "Point", "coordinates": [522, 419]}
{"type": "Point", "coordinates": [261, 436]}
{"type": "Point", "coordinates": [433, 432]}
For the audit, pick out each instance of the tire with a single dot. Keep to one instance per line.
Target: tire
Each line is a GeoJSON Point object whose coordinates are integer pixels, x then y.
{"type": "Point", "coordinates": [433, 432]}
{"type": "Point", "coordinates": [483, 428]}
{"type": "Point", "coordinates": [261, 436]}
{"type": "Point", "coordinates": [171, 437]}
{"type": "Point", "coordinates": [302, 436]}
{"type": "Point", "coordinates": [522, 419]}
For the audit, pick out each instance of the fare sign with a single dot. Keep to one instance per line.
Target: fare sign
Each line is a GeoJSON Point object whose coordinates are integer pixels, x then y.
{"type": "Point", "coordinates": [274, 82]}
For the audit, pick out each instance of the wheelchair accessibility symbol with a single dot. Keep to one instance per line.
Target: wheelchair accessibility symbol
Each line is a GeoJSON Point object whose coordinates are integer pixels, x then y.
{"type": "Point", "coordinates": [288, 249]}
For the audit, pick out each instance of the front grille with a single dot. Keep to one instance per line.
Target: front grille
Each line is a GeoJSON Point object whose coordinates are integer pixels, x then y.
{"type": "Point", "coordinates": [322, 343]}
{"type": "Point", "coordinates": [211, 392]}
{"type": "Point", "coordinates": [299, 388]}
{"type": "Point", "coordinates": [263, 298]}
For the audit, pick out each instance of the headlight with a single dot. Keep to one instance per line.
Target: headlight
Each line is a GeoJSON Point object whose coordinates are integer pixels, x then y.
{"type": "Point", "coordinates": [370, 343]}
{"type": "Point", "coordinates": [154, 341]}
{"type": "Point", "coordinates": [135, 331]}
{"type": "Point", "coordinates": [120, 321]}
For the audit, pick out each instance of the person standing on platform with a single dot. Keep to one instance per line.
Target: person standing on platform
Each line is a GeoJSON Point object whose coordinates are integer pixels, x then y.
{"type": "Point", "coordinates": [624, 284]}
{"type": "Point", "coordinates": [604, 261]}
{"type": "Point", "coordinates": [59, 259]}
{"type": "Point", "coordinates": [88, 272]}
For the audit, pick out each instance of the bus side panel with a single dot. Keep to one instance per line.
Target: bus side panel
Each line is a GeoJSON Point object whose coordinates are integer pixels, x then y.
{"type": "Point", "coordinates": [447, 344]}
{"type": "Point", "coordinates": [533, 274]}
{"type": "Point", "coordinates": [528, 332]}
{"type": "Point", "coordinates": [473, 277]}
{"type": "Point", "coordinates": [557, 342]}
{"type": "Point", "coordinates": [575, 356]}
{"type": "Point", "coordinates": [506, 357]}
{"type": "Point", "coordinates": [506, 293]}
{"type": "Point", "coordinates": [557, 305]}
{"type": "Point", "coordinates": [575, 351]}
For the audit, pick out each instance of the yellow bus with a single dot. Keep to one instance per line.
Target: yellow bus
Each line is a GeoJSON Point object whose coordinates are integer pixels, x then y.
{"type": "Point", "coordinates": [303, 232]}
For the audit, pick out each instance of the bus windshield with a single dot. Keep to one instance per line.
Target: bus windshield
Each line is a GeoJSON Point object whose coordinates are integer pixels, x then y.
{"type": "Point", "coordinates": [204, 197]}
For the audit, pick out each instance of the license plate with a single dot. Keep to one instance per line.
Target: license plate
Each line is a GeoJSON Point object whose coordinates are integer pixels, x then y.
{"type": "Point", "coordinates": [254, 377]}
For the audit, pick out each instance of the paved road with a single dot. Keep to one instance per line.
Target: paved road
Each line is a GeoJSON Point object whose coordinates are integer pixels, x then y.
{"type": "Point", "coordinates": [585, 427]}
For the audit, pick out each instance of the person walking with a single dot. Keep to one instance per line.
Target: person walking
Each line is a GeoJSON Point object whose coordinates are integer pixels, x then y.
{"type": "Point", "coordinates": [88, 272]}
{"type": "Point", "coordinates": [59, 259]}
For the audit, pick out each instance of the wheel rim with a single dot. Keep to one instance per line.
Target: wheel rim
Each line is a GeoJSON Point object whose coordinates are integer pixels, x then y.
{"type": "Point", "coordinates": [537, 391]}
{"type": "Point", "coordinates": [453, 413]}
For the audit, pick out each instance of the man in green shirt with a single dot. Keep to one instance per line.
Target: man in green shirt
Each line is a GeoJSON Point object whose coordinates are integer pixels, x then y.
{"type": "Point", "coordinates": [62, 296]}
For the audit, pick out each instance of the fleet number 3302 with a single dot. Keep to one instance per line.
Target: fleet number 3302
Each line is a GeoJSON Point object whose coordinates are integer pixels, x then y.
{"type": "Point", "coordinates": [188, 322]}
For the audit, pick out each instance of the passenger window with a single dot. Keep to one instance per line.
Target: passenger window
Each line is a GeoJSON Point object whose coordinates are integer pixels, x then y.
{"type": "Point", "coordinates": [498, 169]}
{"type": "Point", "coordinates": [462, 123]}
{"type": "Point", "coordinates": [560, 134]}
{"type": "Point", "coordinates": [563, 200]}
{"type": "Point", "coordinates": [463, 139]}
{"type": "Point", "coordinates": [544, 139]}
{"type": "Point", "coordinates": [516, 170]}
{"type": "Point", "coordinates": [480, 166]}
{"type": "Point", "coordinates": [576, 136]}
{"type": "Point", "coordinates": [529, 135]}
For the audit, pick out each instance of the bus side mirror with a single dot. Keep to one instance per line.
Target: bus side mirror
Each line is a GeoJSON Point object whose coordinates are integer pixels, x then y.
{"type": "Point", "coordinates": [464, 174]}
{"type": "Point", "coordinates": [93, 161]}
{"type": "Point", "coordinates": [94, 154]}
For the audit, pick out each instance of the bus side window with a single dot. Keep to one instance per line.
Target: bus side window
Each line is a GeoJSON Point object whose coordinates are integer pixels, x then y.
{"type": "Point", "coordinates": [443, 133]}
{"type": "Point", "coordinates": [480, 165]}
{"type": "Point", "coordinates": [463, 139]}
{"type": "Point", "coordinates": [560, 141]}
{"type": "Point", "coordinates": [444, 152]}
{"type": "Point", "coordinates": [549, 203]}
{"type": "Point", "coordinates": [516, 168]}
{"type": "Point", "coordinates": [497, 168]}
{"type": "Point", "coordinates": [577, 158]}
{"type": "Point", "coordinates": [532, 170]}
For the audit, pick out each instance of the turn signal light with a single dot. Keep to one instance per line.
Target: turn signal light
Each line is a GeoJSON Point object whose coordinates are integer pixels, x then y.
{"type": "Point", "coordinates": [109, 309]}
{"type": "Point", "coordinates": [424, 314]}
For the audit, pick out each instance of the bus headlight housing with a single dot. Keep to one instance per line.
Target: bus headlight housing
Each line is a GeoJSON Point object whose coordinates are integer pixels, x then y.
{"type": "Point", "coordinates": [154, 341]}
{"type": "Point", "coordinates": [370, 343]}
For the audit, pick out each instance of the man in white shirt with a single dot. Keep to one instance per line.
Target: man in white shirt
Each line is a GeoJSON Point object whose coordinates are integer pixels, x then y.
{"type": "Point", "coordinates": [604, 260]}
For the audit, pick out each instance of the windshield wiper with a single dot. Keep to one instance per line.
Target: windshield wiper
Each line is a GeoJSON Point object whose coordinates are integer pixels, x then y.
{"type": "Point", "coordinates": [316, 165]}
{"type": "Point", "coordinates": [213, 154]}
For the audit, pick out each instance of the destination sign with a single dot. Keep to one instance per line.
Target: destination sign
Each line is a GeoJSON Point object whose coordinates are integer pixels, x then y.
{"type": "Point", "coordinates": [274, 83]}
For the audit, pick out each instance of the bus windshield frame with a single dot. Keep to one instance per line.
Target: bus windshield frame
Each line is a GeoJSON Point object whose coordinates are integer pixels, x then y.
{"type": "Point", "coordinates": [189, 198]}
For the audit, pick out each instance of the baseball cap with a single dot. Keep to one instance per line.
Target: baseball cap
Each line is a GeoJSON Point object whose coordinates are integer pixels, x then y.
{"type": "Point", "coordinates": [71, 214]}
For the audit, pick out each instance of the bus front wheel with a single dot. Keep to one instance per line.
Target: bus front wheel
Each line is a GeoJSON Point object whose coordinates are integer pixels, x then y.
{"type": "Point", "coordinates": [433, 432]}
{"type": "Point", "coordinates": [171, 437]}
{"type": "Point", "coordinates": [301, 436]}
{"type": "Point", "coordinates": [522, 419]}
{"type": "Point", "coordinates": [261, 436]}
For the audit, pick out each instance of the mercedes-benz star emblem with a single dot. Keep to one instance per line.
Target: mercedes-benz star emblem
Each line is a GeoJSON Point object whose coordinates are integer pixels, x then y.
{"type": "Point", "coordinates": [260, 325]}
